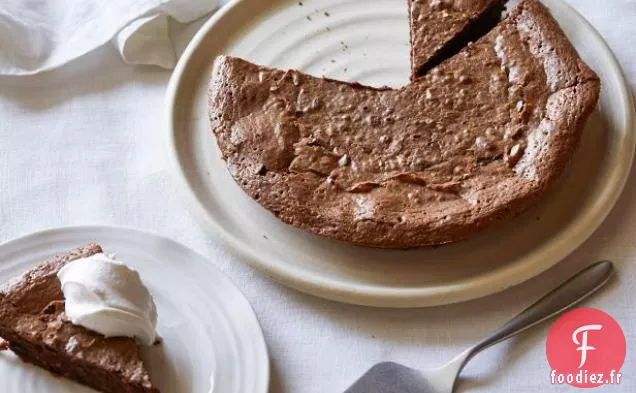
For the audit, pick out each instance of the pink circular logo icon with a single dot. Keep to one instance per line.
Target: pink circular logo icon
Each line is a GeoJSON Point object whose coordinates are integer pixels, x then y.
{"type": "Point", "coordinates": [586, 348]}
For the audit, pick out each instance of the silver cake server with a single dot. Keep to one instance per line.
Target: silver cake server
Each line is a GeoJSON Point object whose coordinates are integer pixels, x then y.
{"type": "Point", "coordinates": [394, 378]}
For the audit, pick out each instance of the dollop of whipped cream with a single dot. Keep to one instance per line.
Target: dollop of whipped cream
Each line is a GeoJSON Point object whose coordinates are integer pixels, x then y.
{"type": "Point", "coordinates": [109, 298]}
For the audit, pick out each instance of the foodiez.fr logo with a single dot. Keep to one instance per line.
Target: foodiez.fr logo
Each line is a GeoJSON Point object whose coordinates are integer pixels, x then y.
{"type": "Point", "coordinates": [586, 348]}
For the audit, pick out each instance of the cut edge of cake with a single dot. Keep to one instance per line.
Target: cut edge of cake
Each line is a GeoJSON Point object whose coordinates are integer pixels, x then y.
{"type": "Point", "coordinates": [472, 26]}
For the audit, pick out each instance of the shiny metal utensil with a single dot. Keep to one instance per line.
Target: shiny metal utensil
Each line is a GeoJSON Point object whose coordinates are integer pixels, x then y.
{"type": "Point", "coordinates": [395, 378]}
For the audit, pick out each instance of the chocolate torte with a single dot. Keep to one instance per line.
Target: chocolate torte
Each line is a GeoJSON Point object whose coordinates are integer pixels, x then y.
{"type": "Point", "coordinates": [33, 323]}
{"type": "Point", "coordinates": [471, 143]}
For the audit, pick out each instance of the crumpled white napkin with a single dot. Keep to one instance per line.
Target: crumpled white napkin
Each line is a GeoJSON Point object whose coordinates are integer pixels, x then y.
{"type": "Point", "coordinates": [39, 35]}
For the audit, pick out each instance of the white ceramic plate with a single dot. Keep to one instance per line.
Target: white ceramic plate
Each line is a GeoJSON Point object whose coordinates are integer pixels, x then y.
{"type": "Point", "coordinates": [368, 41]}
{"type": "Point", "coordinates": [210, 333]}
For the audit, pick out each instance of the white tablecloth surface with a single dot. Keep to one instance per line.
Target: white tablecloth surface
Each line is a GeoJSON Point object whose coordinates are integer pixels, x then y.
{"type": "Point", "coordinates": [84, 145]}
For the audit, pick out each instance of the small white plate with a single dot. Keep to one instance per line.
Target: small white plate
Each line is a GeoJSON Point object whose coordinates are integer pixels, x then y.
{"type": "Point", "coordinates": [210, 333]}
{"type": "Point", "coordinates": [368, 41]}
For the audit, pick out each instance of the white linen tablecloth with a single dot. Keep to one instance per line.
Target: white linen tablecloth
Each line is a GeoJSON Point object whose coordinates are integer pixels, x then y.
{"type": "Point", "coordinates": [84, 145]}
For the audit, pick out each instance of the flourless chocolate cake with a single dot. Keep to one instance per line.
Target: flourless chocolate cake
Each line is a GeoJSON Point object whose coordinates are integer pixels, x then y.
{"type": "Point", "coordinates": [33, 323]}
{"type": "Point", "coordinates": [471, 143]}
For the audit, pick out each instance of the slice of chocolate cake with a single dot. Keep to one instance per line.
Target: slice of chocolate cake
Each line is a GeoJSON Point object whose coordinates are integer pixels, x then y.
{"type": "Point", "coordinates": [441, 28]}
{"type": "Point", "coordinates": [33, 323]}
{"type": "Point", "coordinates": [472, 143]}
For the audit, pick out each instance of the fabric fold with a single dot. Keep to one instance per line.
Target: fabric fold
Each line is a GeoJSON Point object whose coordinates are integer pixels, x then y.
{"type": "Point", "coordinates": [41, 35]}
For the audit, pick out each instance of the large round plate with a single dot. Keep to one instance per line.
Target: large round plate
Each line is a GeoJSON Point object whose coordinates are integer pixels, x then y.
{"type": "Point", "coordinates": [368, 41]}
{"type": "Point", "coordinates": [210, 333]}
